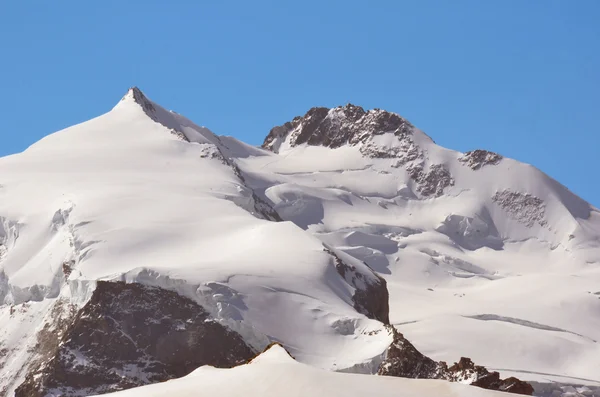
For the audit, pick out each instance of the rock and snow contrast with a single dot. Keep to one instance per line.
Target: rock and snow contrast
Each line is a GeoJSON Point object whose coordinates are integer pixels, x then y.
{"type": "Point", "coordinates": [139, 246]}
{"type": "Point", "coordinates": [275, 373]}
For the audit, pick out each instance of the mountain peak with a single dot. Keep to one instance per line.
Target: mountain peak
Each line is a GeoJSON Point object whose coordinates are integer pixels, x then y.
{"type": "Point", "coordinates": [134, 94]}
{"type": "Point", "coordinates": [181, 127]}
{"type": "Point", "coordinates": [335, 127]}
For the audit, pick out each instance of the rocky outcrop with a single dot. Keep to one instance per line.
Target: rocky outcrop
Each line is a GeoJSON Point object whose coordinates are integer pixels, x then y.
{"type": "Point", "coordinates": [335, 127]}
{"type": "Point", "coordinates": [431, 182]}
{"type": "Point", "coordinates": [524, 208]}
{"type": "Point", "coordinates": [475, 159]}
{"type": "Point", "coordinates": [404, 360]}
{"type": "Point", "coordinates": [371, 296]}
{"type": "Point", "coordinates": [129, 335]}
{"type": "Point", "coordinates": [466, 370]}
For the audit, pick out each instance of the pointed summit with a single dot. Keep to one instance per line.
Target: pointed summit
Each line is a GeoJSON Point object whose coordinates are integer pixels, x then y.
{"type": "Point", "coordinates": [275, 353]}
{"type": "Point", "coordinates": [134, 94]}
{"type": "Point", "coordinates": [184, 129]}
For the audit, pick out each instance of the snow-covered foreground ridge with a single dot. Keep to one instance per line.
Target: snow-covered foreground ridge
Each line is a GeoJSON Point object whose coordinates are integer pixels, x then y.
{"type": "Point", "coordinates": [276, 373]}
{"type": "Point", "coordinates": [133, 242]}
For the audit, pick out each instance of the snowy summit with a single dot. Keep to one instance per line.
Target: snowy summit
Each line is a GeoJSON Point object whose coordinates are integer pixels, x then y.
{"type": "Point", "coordinates": [139, 247]}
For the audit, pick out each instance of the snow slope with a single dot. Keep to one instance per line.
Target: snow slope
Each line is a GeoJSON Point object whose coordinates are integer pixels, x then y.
{"type": "Point", "coordinates": [275, 373]}
{"type": "Point", "coordinates": [124, 197]}
{"type": "Point", "coordinates": [484, 256]}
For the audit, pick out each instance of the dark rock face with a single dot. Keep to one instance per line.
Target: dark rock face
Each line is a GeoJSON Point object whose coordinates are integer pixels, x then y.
{"type": "Point", "coordinates": [466, 369]}
{"type": "Point", "coordinates": [140, 98]}
{"type": "Point", "coordinates": [335, 127]}
{"type": "Point", "coordinates": [475, 159]}
{"type": "Point", "coordinates": [129, 335]}
{"type": "Point", "coordinates": [433, 182]}
{"type": "Point", "coordinates": [371, 296]}
{"type": "Point", "coordinates": [524, 208]}
{"type": "Point", "coordinates": [151, 111]}
{"type": "Point", "coordinates": [404, 360]}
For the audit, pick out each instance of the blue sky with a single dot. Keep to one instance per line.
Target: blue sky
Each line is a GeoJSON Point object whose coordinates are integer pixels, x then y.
{"type": "Point", "coordinates": [519, 77]}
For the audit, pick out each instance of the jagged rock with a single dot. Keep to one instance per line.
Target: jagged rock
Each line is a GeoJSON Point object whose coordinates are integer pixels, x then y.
{"type": "Point", "coordinates": [371, 296]}
{"type": "Point", "coordinates": [404, 360]}
{"type": "Point", "coordinates": [140, 98]}
{"type": "Point", "coordinates": [465, 369]}
{"type": "Point", "coordinates": [433, 182]}
{"type": "Point", "coordinates": [335, 127]}
{"type": "Point", "coordinates": [524, 208]}
{"type": "Point", "coordinates": [475, 159]}
{"type": "Point", "coordinates": [128, 335]}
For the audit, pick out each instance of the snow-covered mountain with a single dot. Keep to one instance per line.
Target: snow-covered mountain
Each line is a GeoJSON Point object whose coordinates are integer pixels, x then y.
{"type": "Point", "coordinates": [484, 256]}
{"type": "Point", "coordinates": [138, 246]}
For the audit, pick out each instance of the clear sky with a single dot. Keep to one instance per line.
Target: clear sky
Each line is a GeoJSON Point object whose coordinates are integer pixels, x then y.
{"type": "Point", "coordinates": [519, 77]}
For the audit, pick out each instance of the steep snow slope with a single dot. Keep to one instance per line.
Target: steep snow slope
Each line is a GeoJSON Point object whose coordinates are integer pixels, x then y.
{"type": "Point", "coordinates": [484, 256]}
{"type": "Point", "coordinates": [275, 373]}
{"type": "Point", "coordinates": [142, 195]}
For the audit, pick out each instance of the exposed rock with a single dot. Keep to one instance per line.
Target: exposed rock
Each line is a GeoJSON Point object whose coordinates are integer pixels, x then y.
{"type": "Point", "coordinates": [433, 182]}
{"type": "Point", "coordinates": [211, 151]}
{"type": "Point", "coordinates": [129, 335]}
{"type": "Point", "coordinates": [475, 159]}
{"type": "Point", "coordinates": [48, 338]}
{"type": "Point", "coordinates": [523, 208]}
{"type": "Point", "coordinates": [138, 97]}
{"type": "Point", "coordinates": [371, 295]}
{"type": "Point", "coordinates": [465, 369]}
{"type": "Point", "coordinates": [3, 354]}
{"type": "Point", "coordinates": [404, 360]}
{"type": "Point", "coordinates": [404, 150]}
{"type": "Point", "coordinates": [67, 268]}
{"type": "Point", "coordinates": [342, 125]}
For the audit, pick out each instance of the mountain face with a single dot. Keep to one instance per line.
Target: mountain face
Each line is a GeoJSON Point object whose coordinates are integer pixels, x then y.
{"type": "Point", "coordinates": [130, 335]}
{"type": "Point", "coordinates": [139, 246]}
